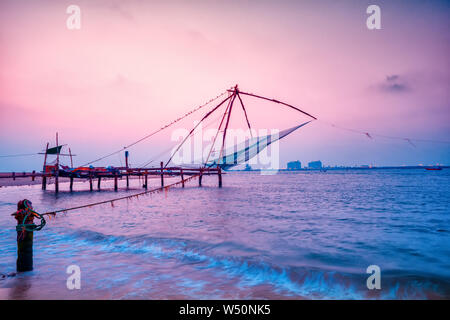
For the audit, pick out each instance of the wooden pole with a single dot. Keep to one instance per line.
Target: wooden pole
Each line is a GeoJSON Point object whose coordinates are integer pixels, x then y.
{"type": "Point", "coordinates": [218, 131]}
{"type": "Point", "coordinates": [57, 166]}
{"type": "Point", "coordinates": [56, 181]}
{"type": "Point", "coordinates": [71, 183]}
{"type": "Point", "coordinates": [200, 178]}
{"type": "Point", "coordinates": [162, 174]}
{"type": "Point", "coordinates": [115, 181]}
{"type": "Point", "coordinates": [219, 173]}
{"type": "Point", "coordinates": [44, 178]}
{"type": "Point", "coordinates": [90, 181]}
{"type": "Point", "coordinates": [146, 180]}
{"type": "Point", "coordinates": [182, 177]}
{"type": "Point", "coordinates": [245, 113]}
{"type": "Point", "coordinates": [24, 238]}
{"type": "Point", "coordinates": [98, 183]}
{"type": "Point", "coordinates": [126, 165]}
{"type": "Point", "coordinates": [71, 160]}
{"type": "Point", "coordinates": [24, 251]}
{"type": "Point", "coordinates": [228, 121]}
{"type": "Point", "coordinates": [14, 176]}
{"type": "Point", "coordinates": [277, 101]}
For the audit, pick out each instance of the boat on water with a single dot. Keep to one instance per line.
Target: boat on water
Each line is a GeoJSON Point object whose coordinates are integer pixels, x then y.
{"type": "Point", "coordinates": [433, 168]}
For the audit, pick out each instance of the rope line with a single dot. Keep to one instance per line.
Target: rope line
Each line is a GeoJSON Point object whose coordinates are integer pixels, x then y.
{"type": "Point", "coordinates": [195, 127]}
{"type": "Point", "coordinates": [371, 135]}
{"type": "Point", "coordinates": [18, 155]}
{"type": "Point", "coordinates": [148, 162]}
{"type": "Point", "coordinates": [122, 198]}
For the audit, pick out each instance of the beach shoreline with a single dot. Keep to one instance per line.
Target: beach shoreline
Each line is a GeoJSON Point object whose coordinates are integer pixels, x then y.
{"type": "Point", "coordinates": [24, 181]}
{"type": "Point", "coordinates": [27, 181]}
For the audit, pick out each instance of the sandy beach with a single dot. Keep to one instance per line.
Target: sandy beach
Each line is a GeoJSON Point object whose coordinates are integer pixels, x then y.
{"type": "Point", "coordinates": [24, 181]}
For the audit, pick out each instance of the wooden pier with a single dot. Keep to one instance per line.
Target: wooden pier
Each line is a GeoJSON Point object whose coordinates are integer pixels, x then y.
{"type": "Point", "coordinates": [122, 172]}
{"type": "Point", "coordinates": [116, 173]}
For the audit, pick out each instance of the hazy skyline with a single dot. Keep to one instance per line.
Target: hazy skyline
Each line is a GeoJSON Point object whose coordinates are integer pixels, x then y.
{"type": "Point", "coordinates": [137, 65]}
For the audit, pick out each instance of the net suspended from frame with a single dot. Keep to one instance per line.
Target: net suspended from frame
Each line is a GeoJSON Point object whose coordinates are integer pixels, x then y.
{"type": "Point", "coordinates": [243, 152]}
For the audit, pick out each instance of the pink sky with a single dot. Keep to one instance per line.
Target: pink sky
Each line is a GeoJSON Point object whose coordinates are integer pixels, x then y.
{"type": "Point", "coordinates": [137, 65]}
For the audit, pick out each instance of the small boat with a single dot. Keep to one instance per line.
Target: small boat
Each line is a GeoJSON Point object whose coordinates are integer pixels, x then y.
{"type": "Point", "coordinates": [433, 168]}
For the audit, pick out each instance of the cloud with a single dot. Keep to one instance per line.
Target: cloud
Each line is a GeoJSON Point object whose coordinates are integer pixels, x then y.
{"type": "Point", "coordinates": [392, 78]}
{"type": "Point", "coordinates": [394, 84]}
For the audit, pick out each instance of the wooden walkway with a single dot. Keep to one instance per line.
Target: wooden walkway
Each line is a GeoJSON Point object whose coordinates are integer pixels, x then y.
{"type": "Point", "coordinates": [116, 173]}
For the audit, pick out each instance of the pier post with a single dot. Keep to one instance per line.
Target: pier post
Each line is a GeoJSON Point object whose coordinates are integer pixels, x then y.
{"type": "Point", "coordinates": [182, 177]}
{"type": "Point", "coordinates": [57, 166]}
{"type": "Point", "coordinates": [56, 181]}
{"type": "Point", "coordinates": [200, 178]}
{"type": "Point", "coordinates": [115, 181]}
{"type": "Point", "coordinates": [219, 173]}
{"type": "Point", "coordinates": [98, 183]}
{"type": "Point", "coordinates": [24, 242]}
{"type": "Point", "coordinates": [126, 165]}
{"type": "Point", "coordinates": [145, 180]}
{"type": "Point", "coordinates": [71, 183]}
{"type": "Point", "coordinates": [90, 182]}
{"type": "Point", "coordinates": [44, 178]}
{"type": "Point", "coordinates": [162, 174]}
{"type": "Point", "coordinates": [14, 176]}
{"type": "Point", "coordinates": [33, 175]}
{"type": "Point", "coordinates": [25, 252]}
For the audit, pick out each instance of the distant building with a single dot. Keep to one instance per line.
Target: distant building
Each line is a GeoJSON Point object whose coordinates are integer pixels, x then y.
{"type": "Point", "coordinates": [294, 165]}
{"type": "Point", "coordinates": [315, 165]}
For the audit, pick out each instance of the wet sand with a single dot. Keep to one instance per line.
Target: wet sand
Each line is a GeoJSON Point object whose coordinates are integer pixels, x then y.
{"type": "Point", "coordinates": [23, 181]}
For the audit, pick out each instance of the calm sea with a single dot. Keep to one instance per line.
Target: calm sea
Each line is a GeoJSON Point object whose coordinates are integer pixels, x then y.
{"type": "Point", "coordinates": [287, 236]}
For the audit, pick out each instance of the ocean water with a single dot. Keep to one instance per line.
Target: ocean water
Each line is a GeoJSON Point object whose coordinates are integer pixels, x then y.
{"type": "Point", "coordinates": [299, 235]}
